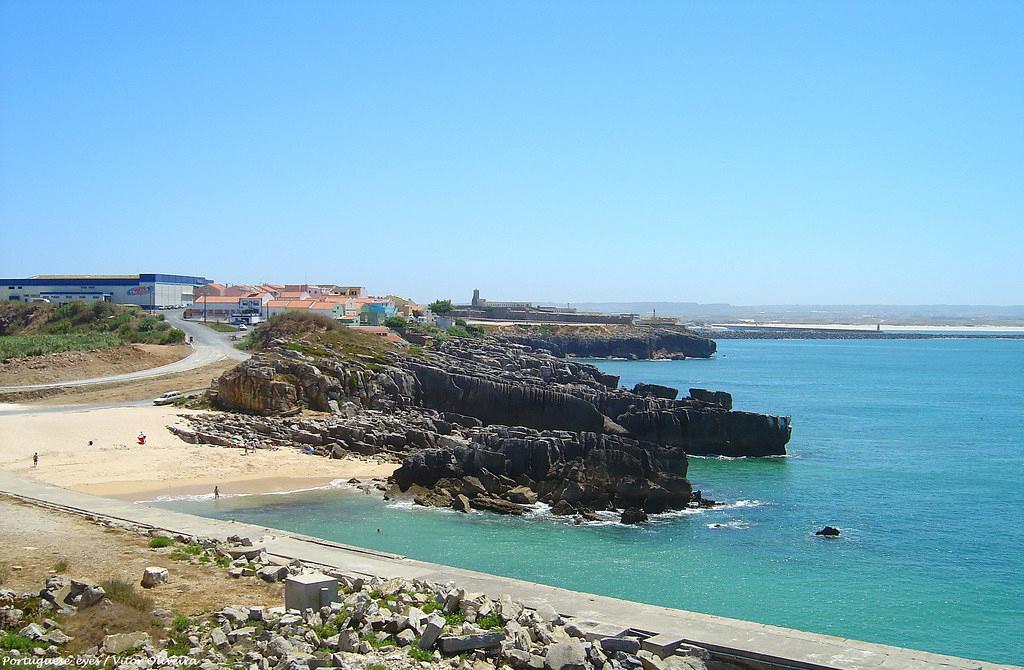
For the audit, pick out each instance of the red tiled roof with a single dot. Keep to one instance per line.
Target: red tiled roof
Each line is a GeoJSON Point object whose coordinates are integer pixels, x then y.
{"type": "Point", "coordinates": [219, 299]}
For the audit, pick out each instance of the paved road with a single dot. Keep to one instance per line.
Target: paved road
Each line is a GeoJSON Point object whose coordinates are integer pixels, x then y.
{"type": "Point", "coordinates": [208, 347]}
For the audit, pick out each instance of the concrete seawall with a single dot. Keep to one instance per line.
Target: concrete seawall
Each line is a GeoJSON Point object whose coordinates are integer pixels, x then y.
{"type": "Point", "coordinates": [753, 644]}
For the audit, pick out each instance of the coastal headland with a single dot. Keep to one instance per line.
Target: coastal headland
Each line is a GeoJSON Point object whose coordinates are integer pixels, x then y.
{"type": "Point", "coordinates": [487, 423]}
{"type": "Point", "coordinates": [470, 423]}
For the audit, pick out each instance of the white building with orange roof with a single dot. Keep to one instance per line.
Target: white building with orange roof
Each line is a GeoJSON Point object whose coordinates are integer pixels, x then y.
{"type": "Point", "coordinates": [331, 310]}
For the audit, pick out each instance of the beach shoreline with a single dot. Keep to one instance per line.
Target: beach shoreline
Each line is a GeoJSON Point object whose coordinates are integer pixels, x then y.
{"type": "Point", "coordinates": [116, 466]}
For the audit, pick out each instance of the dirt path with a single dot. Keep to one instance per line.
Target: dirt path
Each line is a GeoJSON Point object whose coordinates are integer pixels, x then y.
{"type": "Point", "coordinates": [130, 391]}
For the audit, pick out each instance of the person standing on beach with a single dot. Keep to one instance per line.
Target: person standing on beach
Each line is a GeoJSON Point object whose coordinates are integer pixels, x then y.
{"type": "Point", "coordinates": [216, 492]}
{"type": "Point", "coordinates": [35, 460]}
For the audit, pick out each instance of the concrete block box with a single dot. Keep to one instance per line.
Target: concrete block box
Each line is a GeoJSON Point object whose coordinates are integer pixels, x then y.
{"type": "Point", "coordinates": [309, 591]}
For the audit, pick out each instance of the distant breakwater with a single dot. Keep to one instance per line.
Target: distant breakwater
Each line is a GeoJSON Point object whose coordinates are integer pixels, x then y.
{"type": "Point", "coordinates": [769, 333]}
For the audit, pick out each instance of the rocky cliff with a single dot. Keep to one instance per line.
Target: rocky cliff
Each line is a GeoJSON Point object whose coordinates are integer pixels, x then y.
{"type": "Point", "coordinates": [632, 342]}
{"type": "Point", "coordinates": [522, 423]}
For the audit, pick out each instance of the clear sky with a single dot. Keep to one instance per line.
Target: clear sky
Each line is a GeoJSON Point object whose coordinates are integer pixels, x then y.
{"type": "Point", "coordinates": [743, 152]}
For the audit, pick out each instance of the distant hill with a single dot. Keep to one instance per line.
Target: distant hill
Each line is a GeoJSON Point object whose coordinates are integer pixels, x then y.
{"type": "Point", "coordinates": [938, 315]}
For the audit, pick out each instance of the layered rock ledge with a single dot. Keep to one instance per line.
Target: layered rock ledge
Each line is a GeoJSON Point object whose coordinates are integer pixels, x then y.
{"type": "Point", "coordinates": [492, 424]}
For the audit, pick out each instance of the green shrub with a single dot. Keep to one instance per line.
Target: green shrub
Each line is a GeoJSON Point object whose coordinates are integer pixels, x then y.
{"type": "Point", "coordinates": [325, 630]}
{"type": "Point", "coordinates": [377, 642]}
{"type": "Point", "coordinates": [181, 623]}
{"type": "Point", "coordinates": [441, 306]}
{"type": "Point", "coordinates": [420, 654]}
{"type": "Point", "coordinates": [160, 542]}
{"type": "Point", "coordinates": [10, 641]}
{"type": "Point", "coordinates": [178, 645]}
{"type": "Point", "coordinates": [455, 618]}
{"type": "Point", "coordinates": [489, 622]}
{"type": "Point", "coordinates": [60, 566]}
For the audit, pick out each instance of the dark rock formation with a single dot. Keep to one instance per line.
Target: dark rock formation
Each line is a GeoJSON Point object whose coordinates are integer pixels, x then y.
{"type": "Point", "coordinates": [828, 531]}
{"type": "Point", "coordinates": [573, 471]}
{"type": "Point", "coordinates": [656, 391]}
{"type": "Point", "coordinates": [497, 423]}
{"type": "Point", "coordinates": [509, 404]}
{"type": "Point", "coordinates": [633, 515]}
{"type": "Point", "coordinates": [631, 342]}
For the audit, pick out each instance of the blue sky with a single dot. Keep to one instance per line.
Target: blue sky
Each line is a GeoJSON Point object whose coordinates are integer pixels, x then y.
{"type": "Point", "coordinates": [744, 152]}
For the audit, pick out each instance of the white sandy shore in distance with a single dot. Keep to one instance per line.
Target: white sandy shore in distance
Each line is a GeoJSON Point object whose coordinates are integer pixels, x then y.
{"type": "Point", "coordinates": [871, 326]}
{"type": "Point", "coordinates": [116, 466]}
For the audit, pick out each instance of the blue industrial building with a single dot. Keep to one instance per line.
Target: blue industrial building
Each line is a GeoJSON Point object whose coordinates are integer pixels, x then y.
{"type": "Point", "coordinates": [149, 291]}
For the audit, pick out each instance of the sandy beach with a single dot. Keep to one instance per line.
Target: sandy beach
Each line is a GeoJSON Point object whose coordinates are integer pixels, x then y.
{"type": "Point", "coordinates": [116, 466]}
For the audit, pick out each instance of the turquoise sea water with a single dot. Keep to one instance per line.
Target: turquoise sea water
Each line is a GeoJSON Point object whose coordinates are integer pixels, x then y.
{"type": "Point", "coordinates": [914, 448]}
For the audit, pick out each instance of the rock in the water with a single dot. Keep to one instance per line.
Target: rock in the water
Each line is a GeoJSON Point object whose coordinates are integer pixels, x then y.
{"type": "Point", "coordinates": [498, 506]}
{"type": "Point", "coordinates": [154, 576]}
{"type": "Point", "coordinates": [521, 495]}
{"type": "Point", "coordinates": [460, 503]}
{"type": "Point", "coordinates": [633, 515]}
{"type": "Point", "coordinates": [828, 531]}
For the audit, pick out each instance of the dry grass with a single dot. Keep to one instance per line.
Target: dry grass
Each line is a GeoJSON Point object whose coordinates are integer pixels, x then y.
{"type": "Point", "coordinates": [123, 591]}
{"type": "Point", "coordinates": [89, 626]}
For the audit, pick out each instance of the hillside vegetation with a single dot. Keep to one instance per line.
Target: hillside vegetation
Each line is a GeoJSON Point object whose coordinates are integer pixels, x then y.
{"type": "Point", "coordinates": [34, 329]}
{"type": "Point", "coordinates": [316, 335]}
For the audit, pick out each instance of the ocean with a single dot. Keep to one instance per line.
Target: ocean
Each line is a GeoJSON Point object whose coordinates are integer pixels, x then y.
{"type": "Point", "coordinates": [914, 448]}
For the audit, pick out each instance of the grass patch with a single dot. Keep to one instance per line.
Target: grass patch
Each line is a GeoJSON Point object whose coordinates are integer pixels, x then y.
{"type": "Point", "coordinates": [420, 654]}
{"type": "Point", "coordinates": [23, 346]}
{"type": "Point", "coordinates": [121, 591]}
{"type": "Point", "coordinates": [60, 566]}
{"type": "Point", "coordinates": [455, 618]}
{"type": "Point", "coordinates": [221, 327]}
{"type": "Point", "coordinates": [490, 622]}
{"type": "Point", "coordinates": [180, 623]}
{"type": "Point", "coordinates": [431, 605]}
{"type": "Point", "coordinates": [5, 573]}
{"type": "Point", "coordinates": [188, 552]}
{"type": "Point", "coordinates": [223, 561]}
{"type": "Point", "coordinates": [325, 630]}
{"type": "Point", "coordinates": [377, 642]}
{"type": "Point", "coordinates": [377, 666]}
{"type": "Point", "coordinates": [160, 542]}
{"type": "Point", "coordinates": [178, 645]}
{"type": "Point", "coordinates": [10, 641]}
